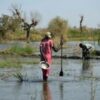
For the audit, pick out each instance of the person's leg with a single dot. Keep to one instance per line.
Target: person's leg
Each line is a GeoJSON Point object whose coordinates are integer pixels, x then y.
{"type": "Point", "coordinates": [83, 54]}
{"type": "Point", "coordinates": [88, 54]}
{"type": "Point", "coordinates": [45, 74]}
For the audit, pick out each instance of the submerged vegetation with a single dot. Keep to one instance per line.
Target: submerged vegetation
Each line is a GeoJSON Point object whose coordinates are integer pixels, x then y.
{"type": "Point", "coordinates": [16, 62]}
{"type": "Point", "coordinates": [19, 76]}
{"type": "Point", "coordinates": [9, 64]}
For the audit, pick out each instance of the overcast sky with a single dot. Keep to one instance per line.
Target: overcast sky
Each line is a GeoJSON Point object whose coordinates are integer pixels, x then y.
{"type": "Point", "coordinates": [70, 10]}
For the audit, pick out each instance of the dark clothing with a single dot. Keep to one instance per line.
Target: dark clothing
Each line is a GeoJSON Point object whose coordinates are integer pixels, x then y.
{"type": "Point", "coordinates": [85, 51]}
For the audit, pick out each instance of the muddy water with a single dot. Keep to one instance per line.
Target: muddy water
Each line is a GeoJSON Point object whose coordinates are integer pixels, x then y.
{"type": "Point", "coordinates": [81, 81]}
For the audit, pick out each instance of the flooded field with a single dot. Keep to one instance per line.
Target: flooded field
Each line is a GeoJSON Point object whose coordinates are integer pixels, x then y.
{"type": "Point", "coordinates": [81, 80]}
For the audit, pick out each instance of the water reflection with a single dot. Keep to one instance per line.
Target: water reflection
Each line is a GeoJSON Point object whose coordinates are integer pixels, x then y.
{"type": "Point", "coordinates": [61, 91]}
{"type": "Point", "coordinates": [87, 71]}
{"type": "Point", "coordinates": [86, 68]}
{"type": "Point", "coordinates": [93, 89]}
{"type": "Point", "coordinates": [17, 91]}
{"type": "Point", "coordinates": [86, 65]}
{"type": "Point", "coordinates": [46, 92]}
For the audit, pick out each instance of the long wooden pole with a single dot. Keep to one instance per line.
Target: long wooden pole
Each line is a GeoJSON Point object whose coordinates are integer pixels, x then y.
{"type": "Point", "coordinates": [61, 71]}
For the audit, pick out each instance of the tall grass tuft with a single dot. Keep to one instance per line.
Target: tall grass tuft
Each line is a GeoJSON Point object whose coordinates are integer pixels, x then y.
{"type": "Point", "coordinates": [19, 76]}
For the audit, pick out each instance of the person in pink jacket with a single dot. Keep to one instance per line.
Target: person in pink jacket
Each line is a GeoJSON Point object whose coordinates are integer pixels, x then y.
{"type": "Point", "coordinates": [46, 47]}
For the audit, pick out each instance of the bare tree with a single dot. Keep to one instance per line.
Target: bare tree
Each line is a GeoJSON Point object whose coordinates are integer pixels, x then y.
{"type": "Point", "coordinates": [27, 26]}
{"type": "Point", "coordinates": [81, 20]}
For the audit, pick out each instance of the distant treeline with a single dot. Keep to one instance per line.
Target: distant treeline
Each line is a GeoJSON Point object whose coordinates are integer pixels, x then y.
{"type": "Point", "coordinates": [16, 27]}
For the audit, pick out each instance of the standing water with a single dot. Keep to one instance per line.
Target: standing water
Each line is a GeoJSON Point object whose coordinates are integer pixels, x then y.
{"type": "Point", "coordinates": [81, 81]}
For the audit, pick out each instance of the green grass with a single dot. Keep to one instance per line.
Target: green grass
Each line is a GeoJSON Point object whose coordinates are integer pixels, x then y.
{"type": "Point", "coordinates": [16, 62]}
{"type": "Point", "coordinates": [9, 63]}
{"type": "Point", "coordinates": [19, 50]}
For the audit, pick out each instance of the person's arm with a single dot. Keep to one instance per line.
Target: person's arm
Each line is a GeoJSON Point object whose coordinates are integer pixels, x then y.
{"type": "Point", "coordinates": [56, 49]}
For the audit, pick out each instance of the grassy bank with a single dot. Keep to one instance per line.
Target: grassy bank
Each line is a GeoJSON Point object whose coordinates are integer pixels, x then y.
{"type": "Point", "coordinates": [12, 57]}
{"type": "Point", "coordinates": [19, 50]}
